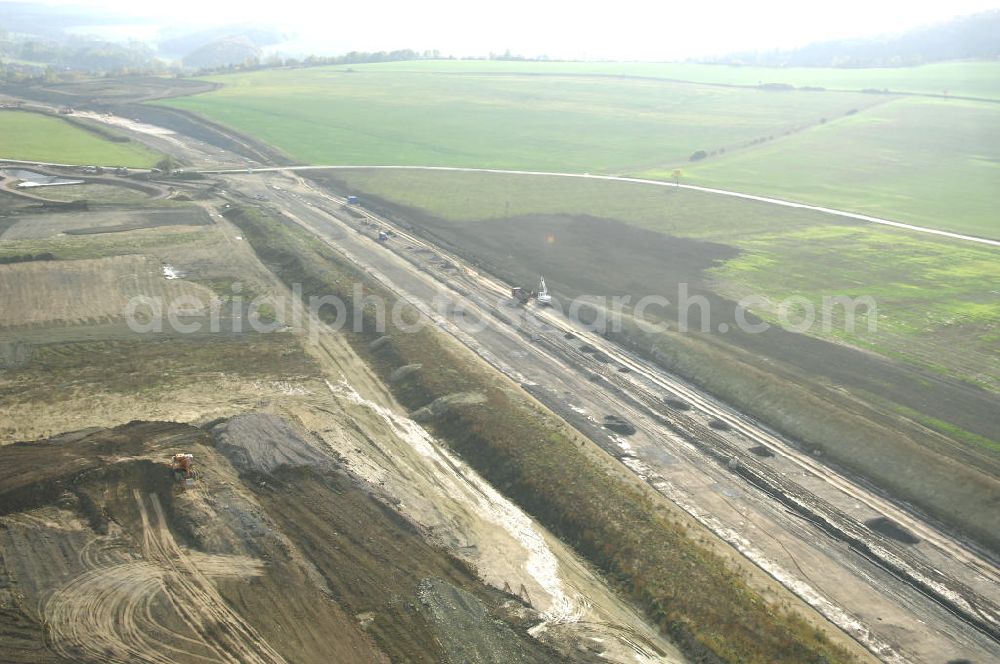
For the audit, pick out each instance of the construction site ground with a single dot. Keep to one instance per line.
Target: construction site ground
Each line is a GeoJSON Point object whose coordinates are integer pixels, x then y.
{"type": "Point", "coordinates": [325, 523]}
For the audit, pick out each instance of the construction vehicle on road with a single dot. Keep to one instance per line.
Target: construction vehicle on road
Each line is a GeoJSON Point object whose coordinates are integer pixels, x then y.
{"type": "Point", "coordinates": [522, 295]}
{"type": "Point", "coordinates": [182, 466]}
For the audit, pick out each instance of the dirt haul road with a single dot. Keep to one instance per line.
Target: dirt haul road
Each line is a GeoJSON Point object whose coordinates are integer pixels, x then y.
{"type": "Point", "coordinates": [918, 597]}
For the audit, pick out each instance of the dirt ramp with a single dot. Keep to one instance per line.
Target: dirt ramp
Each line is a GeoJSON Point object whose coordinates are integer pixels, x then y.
{"type": "Point", "coordinates": [263, 442]}
{"type": "Point", "coordinates": [35, 474]}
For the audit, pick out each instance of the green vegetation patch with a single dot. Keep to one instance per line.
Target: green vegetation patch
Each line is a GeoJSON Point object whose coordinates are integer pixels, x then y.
{"type": "Point", "coordinates": [929, 293]}
{"type": "Point", "coordinates": [924, 161]}
{"type": "Point", "coordinates": [35, 137]}
{"type": "Point", "coordinates": [69, 247]}
{"type": "Point", "coordinates": [970, 79]}
{"type": "Point", "coordinates": [150, 366]}
{"type": "Point", "coordinates": [469, 197]}
{"type": "Point", "coordinates": [564, 123]}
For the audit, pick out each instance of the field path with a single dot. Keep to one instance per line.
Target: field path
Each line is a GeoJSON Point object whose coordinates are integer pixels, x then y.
{"type": "Point", "coordinates": [655, 183]}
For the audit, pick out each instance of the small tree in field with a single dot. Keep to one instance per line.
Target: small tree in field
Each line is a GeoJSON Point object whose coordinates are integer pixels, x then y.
{"type": "Point", "coordinates": [167, 164]}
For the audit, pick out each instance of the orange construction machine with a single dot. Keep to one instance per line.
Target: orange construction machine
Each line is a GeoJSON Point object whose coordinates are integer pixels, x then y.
{"type": "Point", "coordinates": [183, 467]}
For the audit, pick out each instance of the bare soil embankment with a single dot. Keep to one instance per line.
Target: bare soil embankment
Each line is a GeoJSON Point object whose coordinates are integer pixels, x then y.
{"type": "Point", "coordinates": [107, 559]}
{"type": "Point", "coordinates": [706, 607]}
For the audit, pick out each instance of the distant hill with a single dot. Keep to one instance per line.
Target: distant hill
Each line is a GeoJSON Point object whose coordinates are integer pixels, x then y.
{"type": "Point", "coordinates": [184, 43]}
{"type": "Point", "coordinates": [223, 52]}
{"type": "Point", "coordinates": [976, 36]}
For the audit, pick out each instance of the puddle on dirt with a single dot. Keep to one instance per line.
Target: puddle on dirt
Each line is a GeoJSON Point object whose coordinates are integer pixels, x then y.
{"type": "Point", "coordinates": [892, 530]}
{"type": "Point", "coordinates": [728, 491]}
{"type": "Point", "coordinates": [762, 451]}
{"type": "Point", "coordinates": [618, 425]}
{"type": "Point", "coordinates": [719, 425]}
{"type": "Point", "coordinates": [676, 403]}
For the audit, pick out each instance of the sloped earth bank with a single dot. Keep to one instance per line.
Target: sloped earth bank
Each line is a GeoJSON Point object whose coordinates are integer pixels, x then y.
{"type": "Point", "coordinates": [692, 594]}
{"type": "Point", "coordinates": [282, 557]}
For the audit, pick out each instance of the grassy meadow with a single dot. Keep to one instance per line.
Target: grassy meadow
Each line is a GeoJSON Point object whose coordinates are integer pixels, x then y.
{"type": "Point", "coordinates": [925, 161]}
{"type": "Point", "coordinates": [35, 137]}
{"type": "Point", "coordinates": [917, 159]}
{"type": "Point", "coordinates": [564, 123]}
{"type": "Point", "coordinates": [960, 79]}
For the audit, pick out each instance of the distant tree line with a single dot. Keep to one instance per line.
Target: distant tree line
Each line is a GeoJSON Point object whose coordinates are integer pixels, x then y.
{"type": "Point", "coordinates": [353, 57]}
{"type": "Point", "coordinates": [53, 61]}
{"type": "Point", "coordinates": [976, 36]}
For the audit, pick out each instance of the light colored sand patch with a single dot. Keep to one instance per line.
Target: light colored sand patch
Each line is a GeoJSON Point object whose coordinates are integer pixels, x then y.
{"type": "Point", "coordinates": [202, 400]}
{"type": "Point", "coordinates": [542, 564]}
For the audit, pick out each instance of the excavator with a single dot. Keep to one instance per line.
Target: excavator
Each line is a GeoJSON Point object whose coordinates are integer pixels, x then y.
{"type": "Point", "coordinates": [182, 466]}
{"type": "Point", "coordinates": [523, 295]}
{"type": "Point", "coordinates": [543, 296]}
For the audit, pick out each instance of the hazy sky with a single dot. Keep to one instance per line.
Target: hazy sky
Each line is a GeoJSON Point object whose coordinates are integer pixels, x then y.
{"type": "Point", "coordinates": [622, 29]}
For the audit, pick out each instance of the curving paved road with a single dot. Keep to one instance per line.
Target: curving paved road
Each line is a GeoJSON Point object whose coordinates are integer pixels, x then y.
{"type": "Point", "coordinates": [655, 183]}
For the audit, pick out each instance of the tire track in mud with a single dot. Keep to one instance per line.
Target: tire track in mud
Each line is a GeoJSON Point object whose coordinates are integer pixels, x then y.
{"type": "Point", "coordinates": [110, 613]}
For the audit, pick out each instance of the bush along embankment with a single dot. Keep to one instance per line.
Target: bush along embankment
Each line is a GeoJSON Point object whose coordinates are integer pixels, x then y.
{"type": "Point", "coordinates": [691, 593]}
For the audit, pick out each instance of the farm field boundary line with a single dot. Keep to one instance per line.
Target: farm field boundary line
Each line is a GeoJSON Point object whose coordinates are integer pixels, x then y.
{"type": "Point", "coordinates": [657, 183]}
{"type": "Point", "coordinates": [661, 79]}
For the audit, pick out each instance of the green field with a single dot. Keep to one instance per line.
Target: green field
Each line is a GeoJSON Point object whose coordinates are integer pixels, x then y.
{"type": "Point", "coordinates": [566, 123]}
{"type": "Point", "coordinates": [36, 137]}
{"type": "Point", "coordinates": [968, 79]}
{"type": "Point", "coordinates": [930, 291]}
{"type": "Point", "coordinates": [926, 161]}
{"type": "Point", "coordinates": [921, 160]}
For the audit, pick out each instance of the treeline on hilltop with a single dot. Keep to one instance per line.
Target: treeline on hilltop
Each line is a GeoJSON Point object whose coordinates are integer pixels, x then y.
{"type": "Point", "coordinates": [973, 37]}
{"type": "Point", "coordinates": [14, 72]}
{"type": "Point", "coordinates": [22, 58]}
